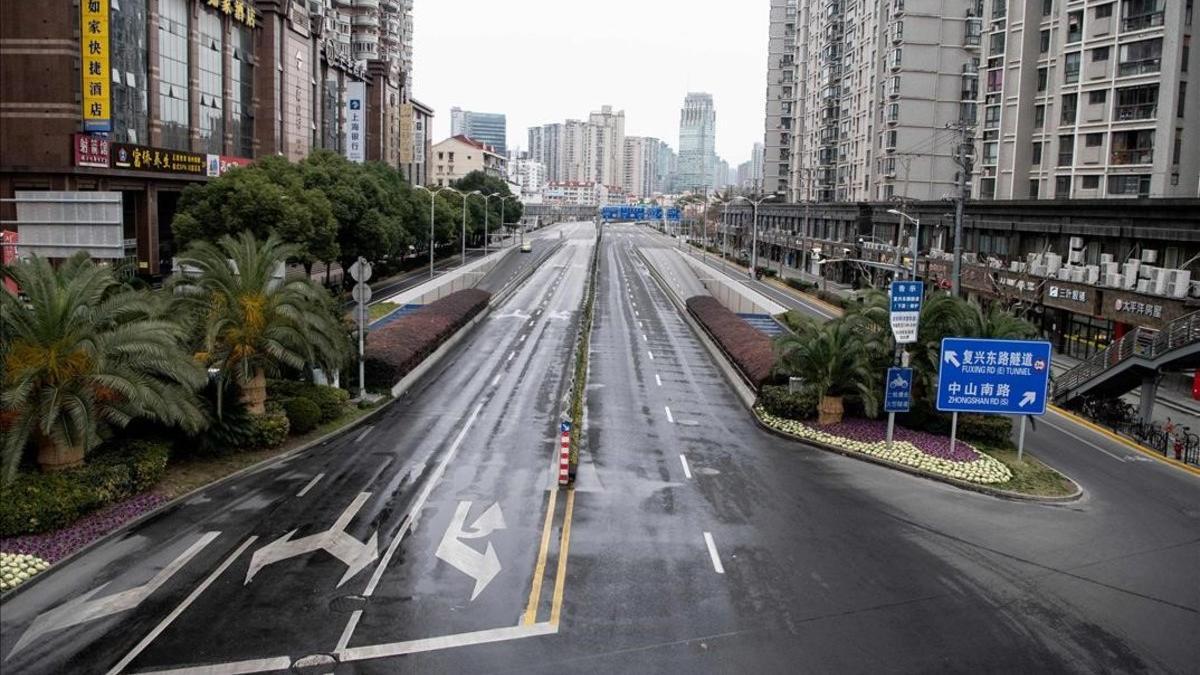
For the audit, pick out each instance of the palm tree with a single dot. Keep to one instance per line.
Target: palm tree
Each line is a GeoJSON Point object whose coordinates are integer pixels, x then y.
{"type": "Point", "coordinates": [85, 352]}
{"type": "Point", "coordinates": [256, 322]}
{"type": "Point", "coordinates": [834, 359]}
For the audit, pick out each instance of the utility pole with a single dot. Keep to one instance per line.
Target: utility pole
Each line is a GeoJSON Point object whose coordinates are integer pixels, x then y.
{"type": "Point", "coordinates": [963, 159]}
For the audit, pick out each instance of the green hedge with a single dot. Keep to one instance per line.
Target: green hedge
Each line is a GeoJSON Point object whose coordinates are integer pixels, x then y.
{"type": "Point", "coordinates": [330, 400]}
{"type": "Point", "coordinates": [269, 430]}
{"type": "Point", "coordinates": [303, 415]}
{"type": "Point", "coordinates": [40, 502]}
{"type": "Point", "coordinates": [778, 401]}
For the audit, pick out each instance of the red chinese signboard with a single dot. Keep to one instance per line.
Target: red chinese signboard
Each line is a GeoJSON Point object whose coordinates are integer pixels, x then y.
{"type": "Point", "coordinates": [91, 150]}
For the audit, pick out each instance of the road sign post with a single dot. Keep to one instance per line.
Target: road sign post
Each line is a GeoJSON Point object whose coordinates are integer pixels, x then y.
{"type": "Point", "coordinates": [904, 316]}
{"type": "Point", "coordinates": [1007, 377]}
{"type": "Point", "coordinates": [897, 397]}
{"type": "Point", "coordinates": [360, 271]}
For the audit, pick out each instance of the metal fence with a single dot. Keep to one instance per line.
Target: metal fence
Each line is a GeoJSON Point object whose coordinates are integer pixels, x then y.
{"type": "Point", "coordinates": [1183, 444]}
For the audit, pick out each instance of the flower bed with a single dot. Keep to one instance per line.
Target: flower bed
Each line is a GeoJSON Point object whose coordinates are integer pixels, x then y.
{"type": "Point", "coordinates": [17, 568]}
{"type": "Point", "coordinates": [396, 349]}
{"type": "Point", "coordinates": [749, 349]}
{"type": "Point", "coordinates": [916, 449]}
{"type": "Point", "coordinates": [56, 545]}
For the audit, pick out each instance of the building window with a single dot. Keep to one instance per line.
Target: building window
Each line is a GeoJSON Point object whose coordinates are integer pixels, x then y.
{"type": "Point", "coordinates": [212, 105]}
{"type": "Point", "coordinates": [1062, 187]}
{"type": "Point", "coordinates": [1036, 159]}
{"type": "Point", "coordinates": [995, 80]}
{"type": "Point", "coordinates": [130, 105]}
{"type": "Point", "coordinates": [1066, 150]}
{"type": "Point", "coordinates": [1141, 14]}
{"type": "Point", "coordinates": [1070, 106]}
{"type": "Point", "coordinates": [991, 117]}
{"type": "Point", "coordinates": [1039, 116]}
{"type": "Point", "coordinates": [1133, 147]}
{"type": "Point", "coordinates": [1178, 151]}
{"type": "Point", "coordinates": [1137, 58]}
{"type": "Point", "coordinates": [996, 44]}
{"type": "Point", "coordinates": [1137, 184]}
{"type": "Point", "coordinates": [1091, 182]}
{"type": "Point", "coordinates": [173, 99]}
{"type": "Point", "coordinates": [1047, 7]}
{"type": "Point", "coordinates": [241, 91]}
{"type": "Point", "coordinates": [1104, 11]}
{"type": "Point", "coordinates": [990, 151]}
{"type": "Point", "coordinates": [1045, 42]}
{"type": "Point", "coordinates": [999, 9]}
{"type": "Point", "coordinates": [1137, 103]}
{"type": "Point", "coordinates": [1100, 54]}
{"type": "Point", "coordinates": [1042, 75]}
{"type": "Point", "coordinates": [1097, 96]}
{"type": "Point", "coordinates": [1034, 187]}
{"type": "Point", "coordinates": [987, 188]}
{"type": "Point", "coordinates": [1075, 26]}
{"type": "Point", "coordinates": [1182, 99]}
{"type": "Point", "coordinates": [1071, 68]}
{"type": "Point", "coordinates": [1093, 140]}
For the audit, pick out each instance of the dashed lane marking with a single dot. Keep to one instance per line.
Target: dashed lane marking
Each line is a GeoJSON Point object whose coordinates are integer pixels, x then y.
{"type": "Point", "coordinates": [687, 471]}
{"type": "Point", "coordinates": [712, 553]}
{"type": "Point", "coordinates": [316, 479]}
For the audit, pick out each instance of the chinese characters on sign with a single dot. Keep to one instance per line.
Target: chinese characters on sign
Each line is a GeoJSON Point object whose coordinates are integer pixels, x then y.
{"type": "Point", "coordinates": [356, 128]}
{"type": "Point", "coordinates": [906, 310]}
{"type": "Point", "coordinates": [993, 376]}
{"type": "Point", "coordinates": [239, 9]}
{"type": "Point", "coordinates": [93, 50]}
{"type": "Point", "coordinates": [91, 150]}
{"type": "Point", "coordinates": [1072, 294]}
{"type": "Point", "coordinates": [898, 394]}
{"type": "Point", "coordinates": [1139, 308]}
{"type": "Point", "coordinates": [142, 158]}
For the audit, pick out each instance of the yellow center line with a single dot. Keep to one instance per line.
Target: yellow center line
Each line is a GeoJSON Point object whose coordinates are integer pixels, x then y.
{"type": "Point", "coordinates": [535, 593]}
{"type": "Point", "coordinates": [1088, 424]}
{"type": "Point", "coordinates": [561, 579]}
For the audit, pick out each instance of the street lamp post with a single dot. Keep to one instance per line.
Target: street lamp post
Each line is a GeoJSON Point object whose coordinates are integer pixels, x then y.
{"type": "Point", "coordinates": [724, 228]}
{"type": "Point", "coordinates": [432, 200]}
{"type": "Point", "coordinates": [502, 200]}
{"type": "Point", "coordinates": [899, 359]}
{"type": "Point", "coordinates": [464, 222]}
{"type": "Point", "coordinates": [754, 230]}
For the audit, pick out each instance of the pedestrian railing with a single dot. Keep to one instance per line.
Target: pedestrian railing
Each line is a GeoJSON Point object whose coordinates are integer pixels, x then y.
{"type": "Point", "coordinates": [1181, 444]}
{"type": "Point", "coordinates": [1143, 343]}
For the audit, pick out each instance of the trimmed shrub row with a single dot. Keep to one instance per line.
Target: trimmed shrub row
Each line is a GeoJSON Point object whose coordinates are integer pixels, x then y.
{"type": "Point", "coordinates": [396, 349]}
{"type": "Point", "coordinates": [749, 349]}
{"type": "Point", "coordinates": [40, 502]}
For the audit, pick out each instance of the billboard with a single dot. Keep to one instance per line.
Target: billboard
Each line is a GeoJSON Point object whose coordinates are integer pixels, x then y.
{"type": "Point", "coordinates": [356, 122]}
{"type": "Point", "coordinates": [61, 224]}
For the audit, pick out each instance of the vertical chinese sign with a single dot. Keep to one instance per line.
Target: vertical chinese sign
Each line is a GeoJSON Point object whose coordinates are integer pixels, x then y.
{"type": "Point", "coordinates": [93, 47]}
{"type": "Point", "coordinates": [356, 128]}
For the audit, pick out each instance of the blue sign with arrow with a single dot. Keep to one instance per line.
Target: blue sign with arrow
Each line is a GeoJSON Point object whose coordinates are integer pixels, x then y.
{"type": "Point", "coordinates": [898, 393]}
{"type": "Point", "coordinates": [993, 376]}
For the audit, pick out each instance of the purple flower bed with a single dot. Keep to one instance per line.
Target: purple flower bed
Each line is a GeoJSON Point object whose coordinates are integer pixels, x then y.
{"type": "Point", "coordinates": [870, 431]}
{"type": "Point", "coordinates": [54, 546]}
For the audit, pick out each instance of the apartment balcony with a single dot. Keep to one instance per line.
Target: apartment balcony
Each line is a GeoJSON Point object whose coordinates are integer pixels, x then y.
{"type": "Point", "coordinates": [971, 68]}
{"type": "Point", "coordinates": [390, 5]}
{"type": "Point", "coordinates": [1141, 67]}
{"type": "Point", "coordinates": [1132, 156]}
{"type": "Point", "coordinates": [1142, 21]}
{"type": "Point", "coordinates": [368, 4]}
{"type": "Point", "coordinates": [370, 20]}
{"type": "Point", "coordinates": [1145, 111]}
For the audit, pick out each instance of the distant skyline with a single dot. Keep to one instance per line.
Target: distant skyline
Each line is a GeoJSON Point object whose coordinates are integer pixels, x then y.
{"type": "Point", "coordinates": [539, 61]}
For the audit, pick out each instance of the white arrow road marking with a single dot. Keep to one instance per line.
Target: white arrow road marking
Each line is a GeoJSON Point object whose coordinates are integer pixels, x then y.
{"type": "Point", "coordinates": [355, 554]}
{"type": "Point", "coordinates": [82, 608]}
{"type": "Point", "coordinates": [952, 358]}
{"type": "Point", "coordinates": [1028, 398]}
{"type": "Point", "coordinates": [482, 567]}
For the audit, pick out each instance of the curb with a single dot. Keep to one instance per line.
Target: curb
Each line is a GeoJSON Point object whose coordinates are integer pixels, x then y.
{"type": "Point", "coordinates": [838, 311]}
{"type": "Point", "coordinates": [417, 373]}
{"type": "Point", "coordinates": [1107, 433]}
{"type": "Point", "coordinates": [966, 485]}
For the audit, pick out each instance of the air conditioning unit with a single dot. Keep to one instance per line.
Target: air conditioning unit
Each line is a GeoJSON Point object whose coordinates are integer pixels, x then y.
{"type": "Point", "coordinates": [1110, 267]}
{"type": "Point", "coordinates": [1114, 280]}
{"type": "Point", "coordinates": [1183, 280]}
{"type": "Point", "coordinates": [1037, 270]}
{"type": "Point", "coordinates": [1077, 274]}
{"type": "Point", "coordinates": [1149, 272]}
{"type": "Point", "coordinates": [1194, 289]}
{"type": "Point", "coordinates": [1075, 257]}
{"type": "Point", "coordinates": [1149, 256]}
{"type": "Point", "coordinates": [1076, 243]}
{"type": "Point", "coordinates": [1064, 274]}
{"type": "Point", "coordinates": [1014, 267]}
{"type": "Point", "coordinates": [1093, 274]}
{"type": "Point", "coordinates": [1143, 286]}
{"type": "Point", "coordinates": [1053, 262]}
{"type": "Point", "coordinates": [1106, 258]}
{"type": "Point", "coordinates": [1162, 285]}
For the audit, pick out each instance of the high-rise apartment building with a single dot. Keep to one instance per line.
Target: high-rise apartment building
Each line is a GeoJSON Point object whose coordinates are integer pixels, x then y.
{"type": "Point", "coordinates": [604, 150]}
{"type": "Point", "coordinates": [783, 87]}
{"type": "Point", "coordinates": [634, 177]}
{"type": "Point", "coordinates": [1088, 100]}
{"type": "Point", "coordinates": [488, 128]}
{"type": "Point", "coordinates": [757, 159]}
{"type": "Point", "coordinates": [377, 30]}
{"type": "Point", "coordinates": [697, 140]}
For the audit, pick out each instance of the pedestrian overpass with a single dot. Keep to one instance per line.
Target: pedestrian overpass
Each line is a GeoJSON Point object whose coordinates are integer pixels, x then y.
{"type": "Point", "coordinates": [1134, 361]}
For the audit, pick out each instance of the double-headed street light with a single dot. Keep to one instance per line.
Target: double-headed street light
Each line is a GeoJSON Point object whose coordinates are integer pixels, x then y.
{"type": "Point", "coordinates": [916, 245]}
{"type": "Point", "coordinates": [502, 200]}
{"type": "Point", "coordinates": [432, 201]}
{"type": "Point", "coordinates": [754, 229]}
{"type": "Point", "coordinates": [486, 199]}
{"type": "Point", "coordinates": [724, 226]}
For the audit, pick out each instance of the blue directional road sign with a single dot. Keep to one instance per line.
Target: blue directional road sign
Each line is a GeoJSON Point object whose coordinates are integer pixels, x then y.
{"type": "Point", "coordinates": [906, 310]}
{"type": "Point", "coordinates": [898, 393]}
{"type": "Point", "coordinates": [993, 376]}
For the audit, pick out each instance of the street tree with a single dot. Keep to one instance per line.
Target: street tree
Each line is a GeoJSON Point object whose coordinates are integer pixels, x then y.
{"type": "Point", "coordinates": [85, 353]}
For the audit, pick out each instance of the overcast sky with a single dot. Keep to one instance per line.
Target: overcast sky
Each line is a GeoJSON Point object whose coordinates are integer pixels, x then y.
{"type": "Point", "coordinates": [542, 61]}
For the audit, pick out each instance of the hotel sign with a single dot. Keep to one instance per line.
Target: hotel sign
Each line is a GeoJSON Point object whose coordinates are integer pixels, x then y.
{"type": "Point", "coordinates": [93, 52]}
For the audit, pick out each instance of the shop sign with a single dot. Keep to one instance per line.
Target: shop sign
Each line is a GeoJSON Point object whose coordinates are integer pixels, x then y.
{"type": "Point", "coordinates": [406, 133]}
{"type": "Point", "coordinates": [1142, 310]}
{"type": "Point", "coordinates": [217, 165]}
{"type": "Point", "coordinates": [356, 127]}
{"type": "Point", "coordinates": [93, 51]}
{"type": "Point", "coordinates": [240, 10]}
{"type": "Point", "coordinates": [1138, 308]}
{"type": "Point", "coordinates": [91, 150]}
{"type": "Point", "coordinates": [1073, 298]}
{"type": "Point", "coordinates": [159, 160]}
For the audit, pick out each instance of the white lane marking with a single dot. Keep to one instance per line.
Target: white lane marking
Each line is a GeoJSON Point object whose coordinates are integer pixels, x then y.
{"type": "Point", "coordinates": [445, 642]}
{"type": "Point", "coordinates": [523, 338]}
{"type": "Point", "coordinates": [496, 380]}
{"type": "Point", "coordinates": [687, 471]}
{"type": "Point", "coordinates": [1119, 458]}
{"type": "Point", "coordinates": [150, 637]}
{"type": "Point", "coordinates": [531, 322]}
{"type": "Point", "coordinates": [510, 356]}
{"type": "Point", "coordinates": [645, 338]}
{"type": "Point", "coordinates": [651, 354]}
{"type": "Point", "coordinates": [712, 553]}
{"type": "Point", "coordinates": [316, 479]}
{"type": "Point", "coordinates": [364, 433]}
{"type": "Point", "coordinates": [670, 418]}
{"type": "Point", "coordinates": [231, 668]}
{"type": "Point", "coordinates": [658, 379]}
{"type": "Point", "coordinates": [635, 313]}
{"type": "Point", "coordinates": [640, 325]}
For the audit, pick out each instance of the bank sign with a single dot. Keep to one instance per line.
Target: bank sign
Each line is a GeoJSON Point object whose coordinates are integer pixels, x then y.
{"type": "Point", "coordinates": [356, 122]}
{"type": "Point", "coordinates": [993, 376]}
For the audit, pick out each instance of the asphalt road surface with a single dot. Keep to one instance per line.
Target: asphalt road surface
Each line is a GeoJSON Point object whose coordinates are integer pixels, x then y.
{"type": "Point", "coordinates": [694, 542]}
